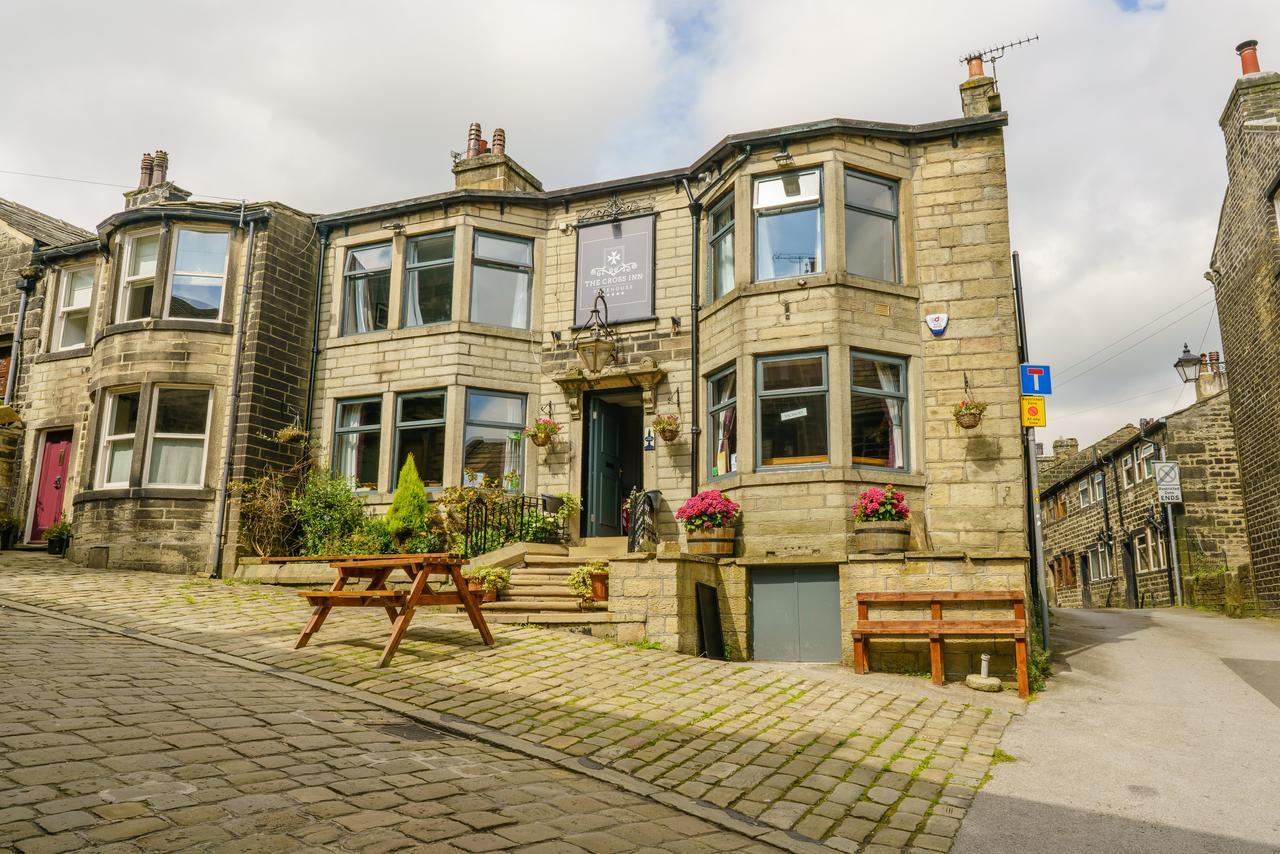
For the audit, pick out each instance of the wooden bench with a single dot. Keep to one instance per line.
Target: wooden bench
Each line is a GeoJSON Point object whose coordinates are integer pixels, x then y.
{"type": "Point", "coordinates": [937, 628]}
{"type": "Point", "coordinates": [398, 604]}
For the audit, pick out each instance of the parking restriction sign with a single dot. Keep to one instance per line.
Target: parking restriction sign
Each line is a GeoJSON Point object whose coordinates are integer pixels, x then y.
{"type": "Point", "coordinates": [1168, 483]}
{"type": "Point", "coordinates": [1033, 410]}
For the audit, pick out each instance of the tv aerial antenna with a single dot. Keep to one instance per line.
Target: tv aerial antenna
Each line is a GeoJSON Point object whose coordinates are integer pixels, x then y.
{"type": "Point", "coordinates": [994, 54]}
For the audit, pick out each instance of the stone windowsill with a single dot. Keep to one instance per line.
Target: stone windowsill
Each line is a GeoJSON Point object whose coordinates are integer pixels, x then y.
{"type": "Point", "coordinates": [814, 280]}
{"type": "Point", "coordinates": [81, 352]}
{"type": "Point", "coordinates": [828, 474]}
{"type": "Point", "coordinates": [452, 327]}
{"type": "Point", "coordinates": [135, 493]}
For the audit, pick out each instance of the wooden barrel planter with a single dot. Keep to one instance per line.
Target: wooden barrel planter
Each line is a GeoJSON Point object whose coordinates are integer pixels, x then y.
{"type": "Point", "coordinates": [881, 538]}
{"type": "Point", "coordinates": [717, 542]}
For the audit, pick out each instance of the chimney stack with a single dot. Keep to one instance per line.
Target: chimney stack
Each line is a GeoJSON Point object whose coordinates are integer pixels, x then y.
{"type": "Point", "coordinates": [499, 141]}
{"type": "Point", "coordinates": [1063, 448]}
{"type": "Point", "coordinates": [978, 94]}
{"type": "Point", "coordinates": [160, 168]}
{"type": "Point", "coordinates": [144, 176]}
{"type": "Point", "coordinates": [473, 140]}
{"type": "Point", "coordinates": [1248, 53]}
{"type": "Point", "coordinates": [486, 167]}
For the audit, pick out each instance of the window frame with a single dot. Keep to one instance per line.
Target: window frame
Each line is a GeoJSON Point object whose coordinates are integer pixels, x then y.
{"type": "Point", "coordinates": [895, 218]}
{"type": "Point", "coordinates": [127, 282]}
{"type": "Point", "coordinates": [468, 421]}
{"type": "Point", "coordinates": [338, 403]}
{"type": "Point", "coordinates": [713, 409]}
{"type": "Point", "coordinates": [400, 424]}
{"type": "Point", "coordinates": [761, 396]}
{"type": "Point", "coordinates": [904, 365]}
{"type": "Point", "coordinates": [714, 237]}
{"type": "Point", "coordinates": [1127, 471]}
{"type": "Point", "coordinates": [409, 268]}
{"type": "Point", "coordinates": [347, 275]}
{"type": "Point", "coordinates": [172, 252]}
{"type": "Point", "coordinates": [62, 311]}
{"type": "Point", "coordinates": [152, 435]}
{"type": "Point", "coordinates": [776, 210]}
{"type": "Point", "coordinates": [1144, 461]}
{"type": "Point", "coordinates": [1085, 493]}
{"type": "Point", "coordinates": [106, 439]}
{"type": "Point", "coordinates": [1099, 487]}
{"type": "Point", "coordinates": [478, 261]}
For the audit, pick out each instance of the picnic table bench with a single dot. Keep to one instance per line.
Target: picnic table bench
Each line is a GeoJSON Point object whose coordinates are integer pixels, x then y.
{"type": "Point", "coordinates": [399, 605]}
{"type": "Point", "coordinates": [936, 628]}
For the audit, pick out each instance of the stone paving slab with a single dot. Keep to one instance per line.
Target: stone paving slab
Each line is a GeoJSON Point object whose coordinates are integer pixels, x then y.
{"type": "Point", "coordinates": [854, 768]}
{"type": "Point", "coordinates": [175, 753]}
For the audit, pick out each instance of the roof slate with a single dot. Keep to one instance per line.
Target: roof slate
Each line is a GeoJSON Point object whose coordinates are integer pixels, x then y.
{"type": "Point", "coordinates": [1069, 467]}
{"type": "Point", "coordinates": [48, 230]}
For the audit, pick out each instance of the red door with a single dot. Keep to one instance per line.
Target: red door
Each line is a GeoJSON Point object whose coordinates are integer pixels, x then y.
{"type": "Point", "coordinates": [52, 483]}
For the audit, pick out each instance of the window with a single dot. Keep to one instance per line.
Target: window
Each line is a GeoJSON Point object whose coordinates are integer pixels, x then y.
{"type": "Point", "coordinates": [1144, 461]}
{"type": "Point", "coordinates": [139, 279]}
{"type": "Point", "coordinates": [788, 212]}
{"type": "Point", "coordinates": [1060, 505]}
{"type": "Point", "coordinates": [71, 324]}
{"type": "Point", "coordinates": [420, 431]}
{"type": "Point", "coordinates": [723, 397]}
{"type": "Point", "coordinates": [366, 289]}
{"type": "Point", "coordinates": [791, 410]}
{"type": "Point", "coordinates": [879, 408]}
{"type": "Point", "coordinates": [1099, 486]}
{"type": "Point", "coordinates": [119, 429]}
{"type": "Point", "coordinates": [1142, 551]}
{"type": "Point", "coordinates": [871, 227]}
{"type": "Point", "coordinates": [357, 441]}
{"type": "Point", "coordinates": [721, 260]}
{"type": "Point", "coordinates": [199, 273]}
{"type": "Point", "coordinates": [428, 280]}
{"type": "Point", "coordinates": [1084, 492]}
{"type": "Point", "coordinates": [489, 453]}
{"type": "Point", "coordinates": [1126, 471]}
{"type": "Point", "coordinates": [501, 280]}
{"type": "Point", "coordinates": [179, 432]}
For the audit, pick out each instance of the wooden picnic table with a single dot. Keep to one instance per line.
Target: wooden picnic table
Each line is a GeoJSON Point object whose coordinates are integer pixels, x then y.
{"type": "Point", "coordinates": [399, 605]}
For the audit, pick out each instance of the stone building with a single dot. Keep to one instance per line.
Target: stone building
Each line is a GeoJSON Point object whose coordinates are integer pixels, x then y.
{"type": "Point", "coordinates": [1244, 271]}
{"type": "Point", "coordinates": [771, 295]}
{"type": "Point", "coordinates": [1107, 542]}
{"type": "Point", "coordinates": [159, 352]}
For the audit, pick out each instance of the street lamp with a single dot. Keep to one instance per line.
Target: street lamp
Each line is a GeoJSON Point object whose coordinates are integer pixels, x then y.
{"type": "Point", "coordinates": [1188, 365]}
{"type": "Point", "coordinates": [595, 342]}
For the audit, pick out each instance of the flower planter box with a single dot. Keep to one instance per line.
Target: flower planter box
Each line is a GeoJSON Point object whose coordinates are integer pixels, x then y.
{"type": "Point", "coordinates": [880, 538]}
{"type": "Point", "coordinates": [600, 586]}
{"type": "Point", "coordinates": [718, 542]}
{"type": "Point", "coordinates": [57, 546]}
{"type": "Point", "coordinates": [480, 594]}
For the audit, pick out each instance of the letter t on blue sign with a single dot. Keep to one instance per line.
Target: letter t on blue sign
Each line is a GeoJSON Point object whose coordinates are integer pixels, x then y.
{"type": "Point", "coordinates": [1035, 379]}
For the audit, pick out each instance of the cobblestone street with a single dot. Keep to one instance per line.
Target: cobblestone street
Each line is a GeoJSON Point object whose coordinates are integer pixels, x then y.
{"type": "Point", "coordinates": [784, 757]}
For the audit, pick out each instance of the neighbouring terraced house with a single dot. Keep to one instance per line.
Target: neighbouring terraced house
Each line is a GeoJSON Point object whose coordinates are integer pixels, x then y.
{"type": "Point", "coordinates": [772, 295]}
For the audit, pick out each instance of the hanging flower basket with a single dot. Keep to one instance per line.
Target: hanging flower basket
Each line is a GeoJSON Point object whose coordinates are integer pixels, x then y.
{"type": "Point", "coordinates": [968, 413]}
{"type": "Point", "coordinates": [667, 426]}
{"type": "Point", "coordinates": [542, 431]}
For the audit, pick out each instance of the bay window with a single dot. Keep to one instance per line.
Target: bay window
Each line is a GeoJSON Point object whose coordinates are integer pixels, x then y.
{"type": "Point", "coordinates": [119, 433]}
{"type": "Point", "coordinates": [720, 226]}
{"type": "Point", "coordinates": [199, 274]}
{"type": "Point", "coordinates": [420, 431]}
{"type": "Point", "coordinates": [179, 436]}
{"type": "Point", "coordinates": [491, 455]}
{"type": "Point", "coordinates": [428, 280]}
{"type": "Point", "coordinates": [878, 403]}
{"type": "Point", "coordinates": [788, 225]}
{"type": "Point", "coordinates": [71, 324]}
{"type": "Point", "coordinates": [871, 227]}
{"type": "Point", "coordinates": [723, 398]}
{"type": "Point", "coordinates": [366, 289]}
{"type": "Point", "coordinates": [357, 441]}
{"type": "Point", "coordinates": [139, 278]}
{"type": "Point", "coordinates": [791, 410]}
{"type": "Point", "coordinates": [501, 280]}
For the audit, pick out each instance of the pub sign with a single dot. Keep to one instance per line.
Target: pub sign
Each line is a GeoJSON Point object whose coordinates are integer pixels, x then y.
{"type": "Point", "coordinates": [617, 258]}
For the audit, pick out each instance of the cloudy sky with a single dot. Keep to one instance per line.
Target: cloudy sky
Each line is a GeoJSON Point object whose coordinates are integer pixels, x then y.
{"type": "Point", "coordinates": [1114, 154]}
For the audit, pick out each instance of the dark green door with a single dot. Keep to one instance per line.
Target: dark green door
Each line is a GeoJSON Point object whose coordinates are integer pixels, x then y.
{"type": "Point", "coordinates": [795, 613]}
{"type": "Point", "coordinates": [604, 475]}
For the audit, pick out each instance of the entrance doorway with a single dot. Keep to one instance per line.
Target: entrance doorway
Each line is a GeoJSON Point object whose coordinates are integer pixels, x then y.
{"type": "Point", "coordinates": [51, 482]}
{"type": "Point", "coordinates": [795, 613]}
{"type": "Point", "coordinates": [614, 459]}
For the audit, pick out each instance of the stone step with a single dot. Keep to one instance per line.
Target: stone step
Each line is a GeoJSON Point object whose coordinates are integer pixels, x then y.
{"type": "Point", "coordinates": [558, 562]}
{"type": "Point", "coordinates": [554, 619]}
{"type": "Point", "coordinates": [537, 591]}
{"type": "Point", "coordinates": [527, 606]}
{"type": "Point", "coordinates": [596, 546]}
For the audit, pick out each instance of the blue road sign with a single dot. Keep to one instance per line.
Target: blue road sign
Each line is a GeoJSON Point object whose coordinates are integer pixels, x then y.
{"type": "Point", "coordinates": [1035, 379]}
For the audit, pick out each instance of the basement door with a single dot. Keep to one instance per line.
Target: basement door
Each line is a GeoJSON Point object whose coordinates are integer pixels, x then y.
{"type": "Point", "coordinates": [795, 613]}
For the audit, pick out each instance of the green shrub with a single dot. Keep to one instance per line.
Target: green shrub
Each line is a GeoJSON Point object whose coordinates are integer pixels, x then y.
{"type": "Point", "coordinates": [492, 577]}
{"type": "Point", "coordinates": [329, 512]}
{"type": "Point", "coordinates": [372, 538]}
{"type": "Point", "coordinates": [410, 505]}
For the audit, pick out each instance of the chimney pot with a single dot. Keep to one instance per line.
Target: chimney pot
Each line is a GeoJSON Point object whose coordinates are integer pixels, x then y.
{"type": "Point", "coordinates": [473, 139]}
{"type": "Point", "coordinates": [975, 66]}
{"type": "Point", "coordinates": [1248, 53]}
{"type": "Point", "coordinates": [484, 147]}
{"type": "Point", "coordinates": [499, 141]}
{"type": "Point", "coordinates": [160, 168]}
{"type": "Point", "coordinates": [144, 175]}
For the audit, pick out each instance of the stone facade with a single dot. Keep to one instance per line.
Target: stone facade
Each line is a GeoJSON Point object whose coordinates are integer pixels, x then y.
{"type": "Point", "coordinates": [1105, 536]}
{"type": "Point", "coordinates": [1245, 268]}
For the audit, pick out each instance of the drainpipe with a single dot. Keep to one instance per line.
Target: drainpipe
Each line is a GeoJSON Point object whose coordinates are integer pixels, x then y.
{"type": "Point", "coordinates": [220, 513]}
{"type": "Point", "coordinates": [26, 286]}
{"type": "Point", "coordinates": [323, 231]}
{"type": "Point", "coordinates": [695, 306]}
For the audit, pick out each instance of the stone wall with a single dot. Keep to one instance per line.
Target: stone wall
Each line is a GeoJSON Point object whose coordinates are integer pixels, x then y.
{"type": "Point", "coordinates": [15, 253]}
{"type": "Point", "coordinates": [659, 591]}
{"type": "Point", "coordinates": [1245, 267]}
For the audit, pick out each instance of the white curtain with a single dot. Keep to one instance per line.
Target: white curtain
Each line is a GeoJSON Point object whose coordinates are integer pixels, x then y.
{"type": "Point", "coordinates": [890, 377]}
{"type": "Point", "coordinates": [520, 304]}
{"type": "Point", "coordinates": [177, 461]}
{"type": "Point", "coordinates": [346, 454]}
{"type": "Point", "coordinates": [412, 308]}
{"type": "Point", "coordinates": [359, 308]}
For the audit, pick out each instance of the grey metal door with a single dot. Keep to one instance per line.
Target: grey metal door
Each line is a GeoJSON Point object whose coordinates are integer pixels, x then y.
{"type": "Point", "coordinates": [795, 613]}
